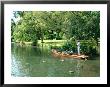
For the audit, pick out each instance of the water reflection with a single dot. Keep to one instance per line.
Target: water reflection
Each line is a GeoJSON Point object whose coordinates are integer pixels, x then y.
{"type": "Point", "coordinates": [38, 62]}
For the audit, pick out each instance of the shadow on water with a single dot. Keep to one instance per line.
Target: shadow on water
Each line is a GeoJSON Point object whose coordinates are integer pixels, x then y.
{"type": "Point", "coordinates": [31, 61]}
{"type": "Point", "coordinates": [95, 57]}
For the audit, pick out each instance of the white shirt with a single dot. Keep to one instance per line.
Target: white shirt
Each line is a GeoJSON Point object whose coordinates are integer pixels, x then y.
{"type": "Point", "coordinates": [78, 43]}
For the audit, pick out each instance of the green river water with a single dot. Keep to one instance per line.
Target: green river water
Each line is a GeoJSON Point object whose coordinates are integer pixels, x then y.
{"type": "Point", "coordinates": [29, 61]}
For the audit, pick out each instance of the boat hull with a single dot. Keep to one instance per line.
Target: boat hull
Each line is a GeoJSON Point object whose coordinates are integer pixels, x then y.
{"type": "Point", "coordinates": [55, 53]}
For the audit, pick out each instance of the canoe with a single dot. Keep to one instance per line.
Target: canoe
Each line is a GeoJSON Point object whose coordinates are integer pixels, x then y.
{"type": "Point", "coordinates": [55, 53]}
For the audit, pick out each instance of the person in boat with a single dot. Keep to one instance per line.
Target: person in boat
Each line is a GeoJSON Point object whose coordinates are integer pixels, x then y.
{"type": "Point", "coordinates": [78, 47]}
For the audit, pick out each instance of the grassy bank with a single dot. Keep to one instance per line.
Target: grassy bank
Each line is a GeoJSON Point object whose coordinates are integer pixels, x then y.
{"type": "Point", "coordinates": [87, 47]}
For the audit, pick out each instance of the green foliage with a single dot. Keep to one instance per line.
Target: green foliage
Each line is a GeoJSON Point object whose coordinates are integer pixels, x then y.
{"type": "Point", "coordinates": [86, 47]}
{"type": "Point", "coordinates": [69, 46]}
{"type": "Point", "coordinates": [34, 43]}
{"type": "Point", "coordinates": [89, 47]}
{"type": "Point", "coordinates": [13, 25]}
{"type": "Point", "coordinates": [59, 25]}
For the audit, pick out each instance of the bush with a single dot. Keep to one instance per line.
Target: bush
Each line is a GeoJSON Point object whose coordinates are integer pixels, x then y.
{"type": "Point", "coordinates": [34, 43]}
{"type": "Point", "coordinates": [69, 46]}
{"type": "Point", "coordinates": [89, 48]}
{"type": "Point", "coordinates": [86, 47]}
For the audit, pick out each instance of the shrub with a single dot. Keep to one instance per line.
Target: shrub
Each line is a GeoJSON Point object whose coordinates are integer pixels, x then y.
{"type": "Point", "coordinates": [34, 43]}
{"type": "Point", "coordinates": [69, 46]}
{"type": "Point", "coordinates": [89, 48]}
{"type": "Point", "coordinates": [86, 47]}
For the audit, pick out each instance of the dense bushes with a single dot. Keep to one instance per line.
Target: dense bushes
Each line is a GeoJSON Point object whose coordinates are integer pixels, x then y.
{"type": "Point", "coordinates": [89, 48]}
{"type": "Point", "coordinates": [86, 47]}
{"type": "Point", "coordinates": [70, 46]}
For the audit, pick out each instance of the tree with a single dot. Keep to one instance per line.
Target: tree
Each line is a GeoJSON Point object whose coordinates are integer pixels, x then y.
{"type": "Point", "coordinates": [40, 25]}
{"type": "Point", "coordinates": [13, 25]}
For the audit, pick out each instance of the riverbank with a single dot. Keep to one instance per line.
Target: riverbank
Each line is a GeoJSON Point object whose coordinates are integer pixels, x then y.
{"type": "Point", "coordinates": [86, 47]}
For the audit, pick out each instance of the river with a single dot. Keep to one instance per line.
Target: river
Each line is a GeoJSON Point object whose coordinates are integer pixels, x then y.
{"type": "Point", "coordinates": [31, 61]}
